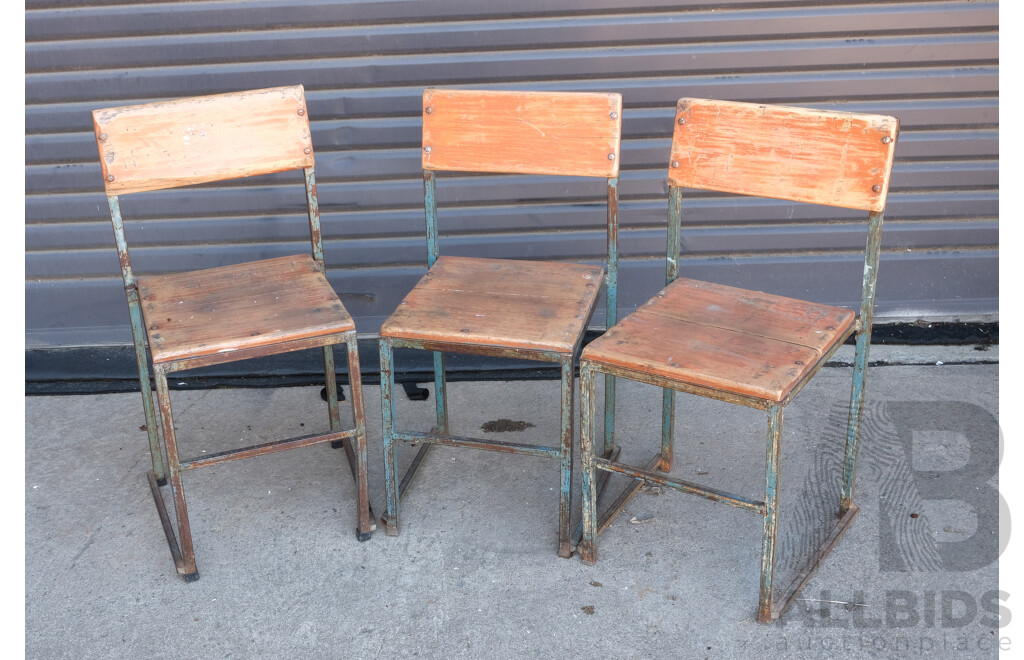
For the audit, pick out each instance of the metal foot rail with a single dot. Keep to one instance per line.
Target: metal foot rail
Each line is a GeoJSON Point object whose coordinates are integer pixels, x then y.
{"type": "Point", "coordinates": [265, 448]}
{"type": "Point", "coordinates": [814, 561]}
{"type": "Point", "coordinates": [474, 443]}
{"type": "Point", "coordinates": [650, 477]}
{"type": "Point", "coordinates": [235, 454]}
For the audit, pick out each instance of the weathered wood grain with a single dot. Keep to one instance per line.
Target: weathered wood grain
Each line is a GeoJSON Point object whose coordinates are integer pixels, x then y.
{"type": "Point", "coordinates": [732, 340]}
{"type": "Point", "coordinates": [823, 157]}
{"type": "Point", "coordinates": [754, 312]}
{"type": "Point", "coordinates": [168, 144]}
{"type": "Point", "coordinates": [568, 133]}
{"type": "Point", "coordinates": [499, 303]}
{"type": "Point", "coordinates": [238, 307]}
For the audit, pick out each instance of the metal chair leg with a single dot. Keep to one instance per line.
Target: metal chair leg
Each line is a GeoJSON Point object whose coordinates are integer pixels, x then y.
{"type": "Point", "coordinates": [187, 568]}
{"type": "Point", "coordinates": [440, 394]}
{"type": "Point", "coordinates": [565, 494]}
{"type": "Point", "coordinates": [331, 384]}
{"type": "Point", "coordinates": [366, 524]}
{"type": "Point", "coordinates": [387, 386]}
{"type": "Point", "coordinates": [668, 427]}
{"type": "Point", "coordinates": [588, 542]}
{"type": "Point", "coordinates": [609, 414]}
{"type": "Point", "coordinates": [138, 337]}
{"type": "Point", "coordinates": [771, 504]}
{"type": "Point", "coordinates": [860, 365]}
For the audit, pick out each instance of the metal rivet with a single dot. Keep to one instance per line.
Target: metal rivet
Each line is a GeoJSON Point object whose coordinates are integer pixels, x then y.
{"type": "Point", "coordinates": [110, 177]}
{"type": "Point", "coordinates": [301, 112]}
{"type": "Point", "coordinates": [877, 188]}
{"type": "Point", "coordinates": [103, 136]}
{"type": "Point", "coordinates": [428, 110]}
{"type": "Point", "coordinates": [306, 150]}
{"type": "Point", "coordinates": [682, 120]}
{"type": "Point", "coordinates": [426, 149]}
{"type": "Point", "coordinates": [613, 115]}
{"type": "Point", "coordinates": [611, 156]}
{"type": "Point", "coordinates": [886, 140]}
{"type": "Point", "coordinates": [675, 163]}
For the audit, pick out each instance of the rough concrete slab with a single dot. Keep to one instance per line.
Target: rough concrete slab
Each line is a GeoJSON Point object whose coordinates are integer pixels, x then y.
{"type": "Point", "coordinates": [474, 572]}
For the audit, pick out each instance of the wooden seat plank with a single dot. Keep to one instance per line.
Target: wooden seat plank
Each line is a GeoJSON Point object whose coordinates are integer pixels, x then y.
{"type": "Point", "coordinates": [241, 306]}
{"type": "Point", "coordinates": [505, 304]}
{"type": "Point", "coordinates": [754, 312]}
{"type": "Point", "coordinates": [733, 340]}
{"type": "Point", "coordinates": [507, 276]}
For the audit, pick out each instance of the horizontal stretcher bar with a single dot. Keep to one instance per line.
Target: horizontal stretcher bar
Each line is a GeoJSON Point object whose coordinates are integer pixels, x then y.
{"type": "Point", "coordinates": [266, 448]}
{"type": "Point", "coordinates": [491, 445]}
{"type": "Point", "coordinates": [684, 486]}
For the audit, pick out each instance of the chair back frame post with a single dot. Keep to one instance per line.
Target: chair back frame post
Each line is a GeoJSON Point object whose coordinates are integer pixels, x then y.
{"type": "Point", "coordinates": [317, 245]}
{"type": "Point", "coordinates": [316, 238]}
{"type": "Point", "coordinates": [131, 291]}
{"type": "Point", "coordinates": [433, 252]}
{"type": "Point", "coordinates": [611, 284]}
{"type": "Point", "coordinates": [675, 221]}
{"type": "Point", "coordinates": [668, 395]}
{"type": "Point", "coordinates": [430, 211]}
{"type": "Point", "coordinates": [611, 278]}
{"type": "Point", "coordinates": [864, 324]}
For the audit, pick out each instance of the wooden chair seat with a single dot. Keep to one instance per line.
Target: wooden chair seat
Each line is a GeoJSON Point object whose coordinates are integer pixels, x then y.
{"type": "Point", "coordinates": [244, 306]}
{"type": "Point", "coordinates": [732, 340]}
{"type": "Point", "coordinates": [505, 304]}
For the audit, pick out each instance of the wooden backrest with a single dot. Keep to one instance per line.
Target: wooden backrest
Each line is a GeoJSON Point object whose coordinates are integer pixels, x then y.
{"type": "Point", "coordinates": [568, 133]}
{"type": "Point", "coordinates": [208, 138]}
{"type": "Point", "coordinates": [832, 158]}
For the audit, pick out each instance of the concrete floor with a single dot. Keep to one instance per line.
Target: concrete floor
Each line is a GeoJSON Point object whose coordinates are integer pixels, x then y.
{"type": "Point", "coordinates": [474, 572]}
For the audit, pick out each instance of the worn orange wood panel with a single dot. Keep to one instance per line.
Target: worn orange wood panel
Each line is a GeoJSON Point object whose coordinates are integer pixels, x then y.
{"type": "Point", "coordinates": [241, 306]}
{"type": "Point", "coordinates": [508, 304]}
{"type": "Point", "coordinates": [753, 312]}
{"type": "Point", "coordinates": [538, 279]}
{"type": "Point", "coordinates": [833, 158]}
{"type": "Point", "coordinates": [704, 355]}
{"type": "Point", "coordinates": [733, 340]}
{"type": "Point", "coordinates": [208, 138]}
{"type": "Point", "coordinates": [568, 133]}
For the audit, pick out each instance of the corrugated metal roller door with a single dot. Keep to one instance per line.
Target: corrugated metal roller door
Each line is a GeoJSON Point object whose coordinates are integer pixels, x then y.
{"type": "Point", "coordinates": [364, 66]}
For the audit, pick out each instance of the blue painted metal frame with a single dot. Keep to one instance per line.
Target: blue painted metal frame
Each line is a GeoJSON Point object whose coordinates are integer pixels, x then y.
{"type": "Point", "coordinates": [860, 362]}
{"type": "Point", "coordinates": [131, 290]}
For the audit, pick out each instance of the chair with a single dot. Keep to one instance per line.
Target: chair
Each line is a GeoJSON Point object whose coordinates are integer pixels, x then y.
{"type": "Point", "coordinates": [508, 308]}
{"type": "Point", "coordinates": [230, 313]}
{"type": "Point", "coordinates": [746, 347]}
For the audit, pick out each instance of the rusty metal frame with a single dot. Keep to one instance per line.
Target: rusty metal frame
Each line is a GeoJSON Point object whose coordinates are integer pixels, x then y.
{"type": "Point", "coordinates": [770, 608]}
{"type": "Point", "coordinates": [440, 434]}
{"type": "Point", "coordinates": [168, 470]}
